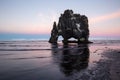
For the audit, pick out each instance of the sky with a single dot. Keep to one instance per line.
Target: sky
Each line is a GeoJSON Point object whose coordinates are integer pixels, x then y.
{"type": "Point", "coordinates": [36, 17]}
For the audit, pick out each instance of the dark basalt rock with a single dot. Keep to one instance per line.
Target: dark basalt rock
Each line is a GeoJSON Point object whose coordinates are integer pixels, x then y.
{"type": "Point", "coordinates": [70, 25]}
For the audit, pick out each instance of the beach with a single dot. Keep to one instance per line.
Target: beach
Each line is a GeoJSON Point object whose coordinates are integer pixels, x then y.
{"type": "Point", "coordinates": [40, 60]}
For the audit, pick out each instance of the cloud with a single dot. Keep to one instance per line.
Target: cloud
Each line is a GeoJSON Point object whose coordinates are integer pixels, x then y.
{"type": "Point", "coordinates": [105, 17]}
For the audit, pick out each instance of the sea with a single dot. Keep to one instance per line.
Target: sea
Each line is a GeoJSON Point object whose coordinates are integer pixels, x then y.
{"type": "Point", "coordinates": [40, 60]}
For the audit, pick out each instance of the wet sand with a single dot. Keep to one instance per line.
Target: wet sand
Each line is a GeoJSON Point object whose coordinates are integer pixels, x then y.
{"type": "Point", "coordinates": [39, 60]}
{"type": "Point", "coordinates": [107, 68]}
{"type": "Point", "coordinates": [113, 63]}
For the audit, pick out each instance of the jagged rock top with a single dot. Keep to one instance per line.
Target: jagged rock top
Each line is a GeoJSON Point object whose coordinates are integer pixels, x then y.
{"type": "Point", "coordinates": [70, 25]}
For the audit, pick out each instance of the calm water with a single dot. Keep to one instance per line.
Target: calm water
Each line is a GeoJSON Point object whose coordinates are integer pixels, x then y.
{"type": "Point", "coordinates": [39, 60]}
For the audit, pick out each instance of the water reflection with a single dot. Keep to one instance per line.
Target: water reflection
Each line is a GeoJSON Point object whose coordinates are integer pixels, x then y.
{"type": "Point", "coordinates": [71, 59]}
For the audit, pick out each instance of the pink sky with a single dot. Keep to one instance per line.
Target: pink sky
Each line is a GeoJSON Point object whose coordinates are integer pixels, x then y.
{"type": "Point", "coordinates": [107, 24]}
{"type": "Point", "coordinates": [37, 16]}
{"type": "Point", "coordinates": [104, 25]}
{"type": "Point", "coordinates": [99, 25]}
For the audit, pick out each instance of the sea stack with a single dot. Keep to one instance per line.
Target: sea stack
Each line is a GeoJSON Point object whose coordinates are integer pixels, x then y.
{"type": "Point", "coordinates": [70, 25]}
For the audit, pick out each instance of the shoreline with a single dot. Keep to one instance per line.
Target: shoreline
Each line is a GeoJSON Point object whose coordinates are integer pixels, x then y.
{"type": "Point", "coordinates": [113, 63]}
{"type": "Point", "coordinates": [107, 68]}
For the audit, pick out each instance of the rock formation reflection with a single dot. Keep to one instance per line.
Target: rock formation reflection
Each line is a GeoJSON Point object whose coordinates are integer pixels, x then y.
{"type": "Point", "coordinates": [71, 59]}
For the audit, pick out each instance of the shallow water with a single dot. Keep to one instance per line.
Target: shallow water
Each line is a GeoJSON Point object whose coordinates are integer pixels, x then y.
{"type": "Point", "coordinates": [39, 60]}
